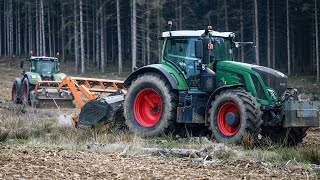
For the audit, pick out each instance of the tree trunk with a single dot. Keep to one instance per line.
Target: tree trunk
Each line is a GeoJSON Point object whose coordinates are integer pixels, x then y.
{"type": "Point", "coordinates": [7, 30]}
{"type": "Point", "coordinates": [5, 12]}
{"type": "Point", "coordinates": [37, 29]}
{"type": "Point", "coordinates": [180, 14]}
{"type": "Point", "coordinates": [317, 36]}
{"type": "Point", "coordinates": [97, 38]}
{"type": "Point", "coordinates": [88, 36]}
{"type": "Point", "coordinates": [226, 15]}
{"type": "Point", "coordinates": [43, 39]}
{"type": "Point", "coordinates": [256, 31]}
{"type": "Point", "coordinates": [82, 39]}
{"type": "Point", "coordinates": [10, 29]}
{"type": "Point", "coordinates": [273, 35]}
{"type": "Point", "coordinates": [93, 34]}
{"type": "Point", "coordinates": [53, 37]}
{"type": "Point", "coordinates": [102, 42]}
{"type": "Point", "coordinates": [62, 33]}
{"type": "Point", "coordinates": [292, 49]}
{"type": "Point", "coordinates": [288, 38]}
{"type": "Point", "coordinates": [148, 33]}
{"type": "Point", "coordinates": [19, 31]}
{"type": "Point", "coordinates": [49, 32]}
{"type": "Point", "coordinates": [1, 25]}
{"type": "Point", "coordinates": [76, 40]}
{"type": "Point", "coordinates": [268, 35]}
{"type": "Point", "coordinates": [242, 29]}
{"type": "Point", "coordinates": [30, 32]}
{"type": "Point", "coordinates": [134, 34]}
{"type": "Point", "coordinates": [159, 29]}
{"type": "Point", "coordinates": [25, 35]}
{"type": "Point", "coordinates": [119, 39]}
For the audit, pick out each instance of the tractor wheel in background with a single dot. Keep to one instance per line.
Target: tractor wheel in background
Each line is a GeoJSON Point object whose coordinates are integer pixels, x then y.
{"type": "Point", "coordinates": [16, 88]}
{"type": "Point", "coordinates": [26, 89]}
{"type": "Point", "coordinates": [150, 106]}
{"type": "Point", "coordinates": [233, 114]}
{"type": "Point", "coordinates": [285, 136]}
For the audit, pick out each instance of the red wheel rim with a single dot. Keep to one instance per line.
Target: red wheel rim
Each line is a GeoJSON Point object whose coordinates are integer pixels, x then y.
{"type": "Point", "coordinates": [147, 107]}
{"type": "Point", "coordinates": [225, 128]}
{"type": "Point", "coordinates": [25, 92]}
{"type": "Point", "coordinates": [14, 93]}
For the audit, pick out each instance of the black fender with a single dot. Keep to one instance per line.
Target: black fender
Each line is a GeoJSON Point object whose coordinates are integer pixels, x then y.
{"type": "Point", "coordinates": [151, 69]}
{"type": "Point", "coordinates": [216, 92]}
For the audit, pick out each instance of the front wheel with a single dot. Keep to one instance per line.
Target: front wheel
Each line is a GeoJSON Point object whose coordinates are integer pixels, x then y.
{"type": "Point", "coordinates": [150, 106]}
{"type": "Point", "coordinates": [285, 136]}
{"type": "Point", "coordinates": [233, 114]}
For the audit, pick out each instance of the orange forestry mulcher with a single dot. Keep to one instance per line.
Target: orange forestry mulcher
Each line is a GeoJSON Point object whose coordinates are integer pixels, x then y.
{"type": "Point", "coordinates": [98, 108]}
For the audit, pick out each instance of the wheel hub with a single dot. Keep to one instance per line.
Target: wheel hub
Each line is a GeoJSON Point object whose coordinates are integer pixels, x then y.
{"type": "Point", "coordinates": [232, 118]}
{"type": "Point", "coordinates": [156, 109]}
{"type": "Point", "coordinates": [228, 119]}
{"type": "Point", "coordinates": [147, 107]}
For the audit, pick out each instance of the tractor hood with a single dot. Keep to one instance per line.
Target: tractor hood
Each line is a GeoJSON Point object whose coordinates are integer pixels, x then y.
{"type": "Point", "coordinates": [269, 77]}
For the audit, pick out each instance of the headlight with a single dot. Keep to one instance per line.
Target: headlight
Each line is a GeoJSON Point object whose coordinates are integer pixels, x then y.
{"type": "Point", "coordinates": [272, 94]}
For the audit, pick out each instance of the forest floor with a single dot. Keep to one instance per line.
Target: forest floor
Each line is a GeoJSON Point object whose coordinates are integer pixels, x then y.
{"type": "Point", "coordinates": [42, 144]}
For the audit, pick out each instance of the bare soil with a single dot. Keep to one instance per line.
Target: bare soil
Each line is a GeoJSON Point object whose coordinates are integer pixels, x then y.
{"type": "Point", "coordinates": [26, 162]}
{"type": "Point", "coordinates": [38, 162]}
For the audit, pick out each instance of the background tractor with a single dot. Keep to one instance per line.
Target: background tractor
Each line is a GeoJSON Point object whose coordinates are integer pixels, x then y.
{"type": "Point", "coordinates": [37, 87]}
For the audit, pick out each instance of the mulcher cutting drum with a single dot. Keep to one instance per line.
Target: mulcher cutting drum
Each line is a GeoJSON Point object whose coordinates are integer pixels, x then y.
{"type": "Point", "coordinates": [102, 110]}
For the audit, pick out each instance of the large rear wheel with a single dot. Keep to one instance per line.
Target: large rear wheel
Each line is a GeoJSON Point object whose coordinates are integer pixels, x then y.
{"type": "Point", "coordinates": [150, 106]}
{"type": "Point", "coordinates": [234, 114]}
{"type": "Point", "coordinates": [16, 88]}
{"type": "Point", "coordinates": [26, 89]}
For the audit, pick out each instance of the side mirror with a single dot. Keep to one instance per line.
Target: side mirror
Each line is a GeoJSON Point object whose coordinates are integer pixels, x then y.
{"type": "Point", "coordinates": [21, 63]}
{"type": "Point", "coordinates": [199, 49]}
{"type": "Point", "coordinates": [58, 68]}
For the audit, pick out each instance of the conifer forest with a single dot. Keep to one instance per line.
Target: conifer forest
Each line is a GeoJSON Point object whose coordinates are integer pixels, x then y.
{"type": "Point", "coordinates": [116, 33]}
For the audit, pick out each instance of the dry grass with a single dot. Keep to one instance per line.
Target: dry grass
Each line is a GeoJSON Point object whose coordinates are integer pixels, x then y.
{"type": "Point", "coordinates": [45, 130]}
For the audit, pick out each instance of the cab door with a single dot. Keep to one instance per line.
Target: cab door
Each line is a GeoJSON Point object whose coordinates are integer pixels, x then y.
{"type": "Point", "coordinates": [181, 52]}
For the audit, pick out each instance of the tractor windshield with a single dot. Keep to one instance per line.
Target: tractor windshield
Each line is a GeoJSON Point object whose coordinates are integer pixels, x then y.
{"type": "Point", "coordinates": [222, 49]}
{"type": "Point", "coordinates": [46, 67]}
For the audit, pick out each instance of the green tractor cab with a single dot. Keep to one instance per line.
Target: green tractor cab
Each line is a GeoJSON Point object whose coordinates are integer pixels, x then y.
{"type": "Point", "coordinates": [37, 87]}
{"type": "Point", "coordinates": [198, 84]}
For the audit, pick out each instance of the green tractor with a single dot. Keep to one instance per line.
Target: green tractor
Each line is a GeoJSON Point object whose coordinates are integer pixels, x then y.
{"type": "Point", "coordinates": [198, 83]}
{"type": "Point", "coordinates": [39, 83]}
{"type": "Point", "coordinates": [199, 86]}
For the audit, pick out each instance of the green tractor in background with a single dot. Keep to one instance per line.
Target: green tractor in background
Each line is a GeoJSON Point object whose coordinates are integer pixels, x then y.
{"type": "Point", "coordinates": [38, 84]}
{"type": "Point", "coordinates": [198, 84]}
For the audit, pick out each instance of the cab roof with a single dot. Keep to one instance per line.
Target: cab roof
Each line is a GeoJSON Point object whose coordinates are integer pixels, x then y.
{"type": "Point", "coordinates": [43, 57]}
{"type": "Point", "coordinates": [196, 33]}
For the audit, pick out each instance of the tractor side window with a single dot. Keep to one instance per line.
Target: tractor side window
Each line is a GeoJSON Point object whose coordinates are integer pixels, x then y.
{"type": "Point", "coordinates": [181, 52]}
{"type": "Point", "coordinates": [176, 48]}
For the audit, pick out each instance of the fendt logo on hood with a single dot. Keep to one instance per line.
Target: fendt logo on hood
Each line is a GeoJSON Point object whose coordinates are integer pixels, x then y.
{"type": "Point", "coordinates": [282, 84]}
